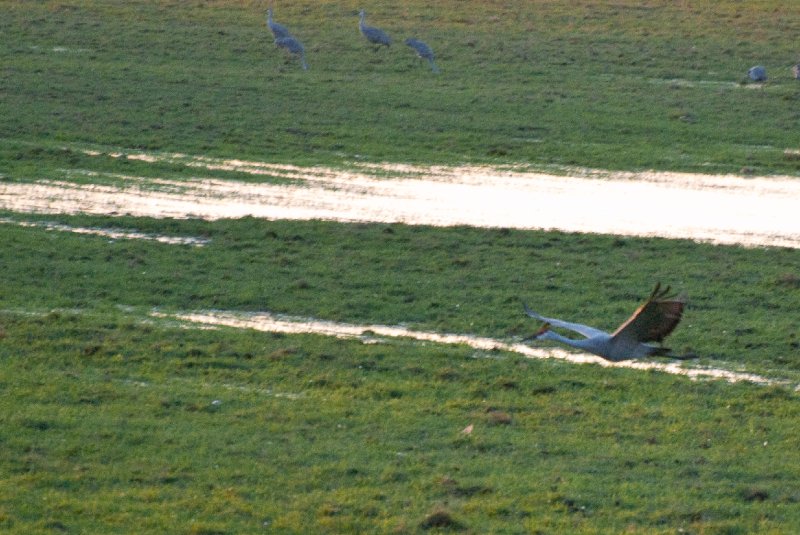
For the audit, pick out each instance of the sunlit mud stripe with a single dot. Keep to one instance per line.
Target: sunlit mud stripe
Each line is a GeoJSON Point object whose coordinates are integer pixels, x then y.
{"type": "Point", "coordinates": [108, 233]}
{"type": "Point", "coordinates": [281, 324]}
{"type": "Point", "coordinates": [757, 213]}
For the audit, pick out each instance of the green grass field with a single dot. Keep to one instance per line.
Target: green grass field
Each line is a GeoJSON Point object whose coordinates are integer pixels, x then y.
{"type": "Point", "coordinates": [113, 420]}
{"type": "Point", "coordinates": [115, 426]}
{"type": "Point", "coordinates": [623, 85]}
{"type": "Point", "coordinates": [116, 421]}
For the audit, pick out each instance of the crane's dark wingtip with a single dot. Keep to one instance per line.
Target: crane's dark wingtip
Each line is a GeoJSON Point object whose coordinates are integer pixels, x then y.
{"type": "Point", "coordinates": [658, 293]}
{"type": "Point", "coordinates": [655, 292]}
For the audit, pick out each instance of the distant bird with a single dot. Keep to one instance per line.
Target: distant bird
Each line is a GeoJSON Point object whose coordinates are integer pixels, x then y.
{"type": "Point", "coordinates": [278, 30]}
{"type": "Point", "coordinates": [374, 35]}
{"type": "Point", "coordinates": [423, 51]}
{"type": "Point", "coordinates": [651, 322]}
{"type": "Point", "coordinates": [294, 47]}
{"type": "Point", "coordinates": [796, 71]}
{"type": "Point", "coordinates": [757, 73]}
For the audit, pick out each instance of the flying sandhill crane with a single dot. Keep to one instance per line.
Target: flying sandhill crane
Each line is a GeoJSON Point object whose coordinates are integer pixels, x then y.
{"type": "Point", "coordinates": [651, 322]}
{"type": "Point", "coordinates": [374, 35]}
{"type": "Point", "coordinates": [757, 73]}
{"type": "Point", "coordinates": [278, 30]}
{"type": "Point", "coordinates": [294, 47]}
{"type": "Point", "coordinates": [423, 51]}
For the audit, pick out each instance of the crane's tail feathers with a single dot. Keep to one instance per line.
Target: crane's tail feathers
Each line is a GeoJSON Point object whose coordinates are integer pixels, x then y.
{"type": "Point", "coordinates": [667, 352]}
{"type": "Point", "coordinates": [659, 351]}
{"type": "Point", "coordinates": [685, 356]}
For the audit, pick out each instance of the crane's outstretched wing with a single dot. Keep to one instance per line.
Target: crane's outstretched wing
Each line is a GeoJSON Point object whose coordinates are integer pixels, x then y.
{"type": "Point", "coordinates": [585, 330]}
{"type": "Point", "coordinates": [654, 320]}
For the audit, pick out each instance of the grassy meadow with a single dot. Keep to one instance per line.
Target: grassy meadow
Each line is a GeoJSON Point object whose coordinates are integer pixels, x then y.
{"type": "Point", "coordinates": [113, 420]}
{"type": "Point", "coordinates": [118, 421]}
{"type": "Point", "coordinates": [622, 85]}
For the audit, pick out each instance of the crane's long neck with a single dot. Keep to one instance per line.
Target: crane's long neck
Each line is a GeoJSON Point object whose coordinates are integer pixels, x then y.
{"type": "Point", "coordinates": [269, 16]}
{"type": "Point", "coordinates": [582, 343]}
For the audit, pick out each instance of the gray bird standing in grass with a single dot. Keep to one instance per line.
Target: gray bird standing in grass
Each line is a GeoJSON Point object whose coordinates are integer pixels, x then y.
{"type": "Point", "coordinates": [374, 35]}
{"type": "Point", "coordinates": [757, 73]}
{"type": "Point", "coordinates": [293, 46]}
{"type": "Point", "coordinates": [796, 71]}
{"type": "Point", "coordinates": [423, 51]}
{"type": "Point", "coordinates": [278, 30]}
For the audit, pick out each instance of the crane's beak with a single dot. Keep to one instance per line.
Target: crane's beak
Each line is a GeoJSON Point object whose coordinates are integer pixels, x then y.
{"type": "Point", "coordinates": [535, 336]}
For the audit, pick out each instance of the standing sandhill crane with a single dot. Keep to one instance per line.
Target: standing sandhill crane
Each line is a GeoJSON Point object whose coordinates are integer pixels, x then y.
{"type": "Point", "coordinates": [423, 51]}
{"type": "Point", "coordinates": [796, 71]}
{"type": "Point", "coordinates": [651, 322]}
{"type": "Point", "coordinates": [278, 30]}
{"type": "Point", "coordinates": [294, 47]}
{"type": "Point", "coordinates": [757, 73]}
{"type": "Point", "coordinates": [373, 35]}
